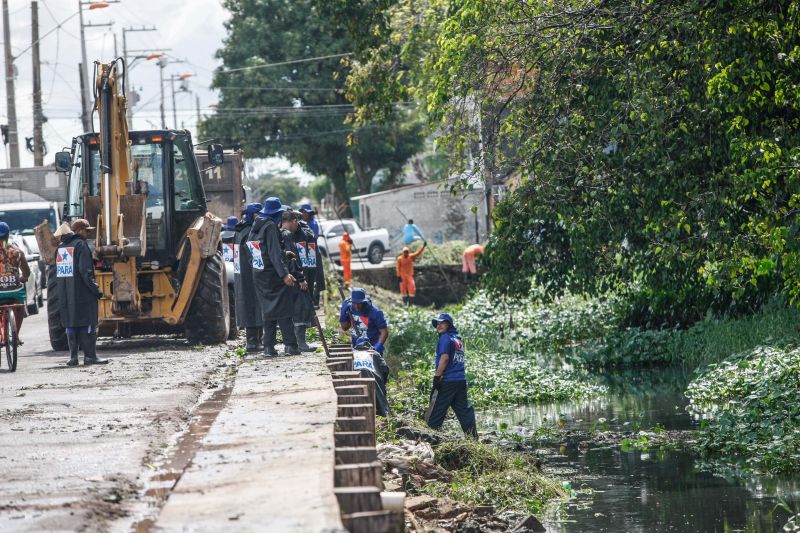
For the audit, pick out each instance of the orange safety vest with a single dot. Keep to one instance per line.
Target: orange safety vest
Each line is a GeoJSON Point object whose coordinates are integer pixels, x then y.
{"type": "Point", "coordinates": [405, 265]}
{"type": "Point", "coordinates": [345, 250]}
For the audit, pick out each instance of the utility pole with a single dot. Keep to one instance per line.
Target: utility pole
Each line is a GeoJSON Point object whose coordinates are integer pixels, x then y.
{"type": "Point", "coordinates": [174, 111]}
{"type": "Point", "coordinates": [161, 64]}
{"type": "Point", "coordinates": [125, 32]}
{"type": "Point", "coordinates": [38, 119]}
{"type": "Point", "coordinates": [13, 139]}
{"type": "Point", "coordinates": [85, 113]}
{"type": "Point", "coordinates": [197, 104]}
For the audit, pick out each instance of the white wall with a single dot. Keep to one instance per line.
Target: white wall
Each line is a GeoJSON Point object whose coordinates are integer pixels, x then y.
{"type": "Point", "coordinates": [441, 215]}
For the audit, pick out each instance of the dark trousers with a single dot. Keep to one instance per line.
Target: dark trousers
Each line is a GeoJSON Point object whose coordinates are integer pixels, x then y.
{"type": "Point", "coordinates": [271, 332]}
{"type": "Point", "coordinates": [453, 394]}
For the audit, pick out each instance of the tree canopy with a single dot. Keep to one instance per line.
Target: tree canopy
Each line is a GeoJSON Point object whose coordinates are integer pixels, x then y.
{"type": "Point", "coordinates": [656, 142]}
{"type": "Point", "coordinates": [298, 109]}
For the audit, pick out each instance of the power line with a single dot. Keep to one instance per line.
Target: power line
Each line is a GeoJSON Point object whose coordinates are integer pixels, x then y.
{"type": "Point", "coordinates": [327, 89]}
{"type": "Point", "coordinates": [283, 63]}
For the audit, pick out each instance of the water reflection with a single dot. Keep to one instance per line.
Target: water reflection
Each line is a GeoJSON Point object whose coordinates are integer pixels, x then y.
{"type": "Point", "coordinates": [645, 491]}
{"type": "Point", "coordinates": [660, 490]}
{"type": "Point", "coordinates": [639, 399]}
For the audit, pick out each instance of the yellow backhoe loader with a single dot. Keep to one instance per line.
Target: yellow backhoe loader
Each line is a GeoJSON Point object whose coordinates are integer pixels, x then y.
{"type": "Point", "coordinates": [157, 250]}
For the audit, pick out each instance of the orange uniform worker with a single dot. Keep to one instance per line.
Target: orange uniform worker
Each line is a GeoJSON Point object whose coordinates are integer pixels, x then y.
{"type": "Point", "coordinates": [471, 253]}
{"type": "Point", "coordinates": [345, 256]}
{"type": "Point", "coordinates": [405, 271]}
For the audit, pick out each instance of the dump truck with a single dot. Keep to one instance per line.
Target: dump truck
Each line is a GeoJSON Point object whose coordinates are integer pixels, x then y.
{"type": "Point", "coordinates": [157, 249]}
{"type": "Point", "coordinates": [225, 194]}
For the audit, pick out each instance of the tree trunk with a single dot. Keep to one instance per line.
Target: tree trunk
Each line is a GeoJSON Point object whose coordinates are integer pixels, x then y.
{"type": "Point", "coordinates": [340, 197]}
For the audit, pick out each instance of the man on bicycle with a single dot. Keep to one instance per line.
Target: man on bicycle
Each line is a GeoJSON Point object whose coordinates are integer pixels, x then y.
{"type": "Point", "coordinates": [14, 272]}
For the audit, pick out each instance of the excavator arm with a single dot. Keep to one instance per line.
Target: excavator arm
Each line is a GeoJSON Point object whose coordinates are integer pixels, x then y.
{"type": "Point", "coordinates": [120, 211]}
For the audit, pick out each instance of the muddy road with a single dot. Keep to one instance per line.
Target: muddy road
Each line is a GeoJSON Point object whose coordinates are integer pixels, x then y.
{"type": "Point", "coordinates": [77, 445]}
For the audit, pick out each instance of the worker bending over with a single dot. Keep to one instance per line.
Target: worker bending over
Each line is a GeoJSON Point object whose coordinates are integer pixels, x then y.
{"type": "Point", "coordinates": [405, 272]}
{"type": "Point", "coordinates": [469, 258]}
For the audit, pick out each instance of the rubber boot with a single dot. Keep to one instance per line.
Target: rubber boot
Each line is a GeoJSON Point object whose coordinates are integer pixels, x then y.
{"type": "Point", "coordinates": [89, 343]}
{"type": "Point", "coordinates": [300, 333]}
{"type": "Point", "coordinates": [72, 340]}
{"type": "Point", "coordinates": [253, 343]}
{"type": "Point", "coordinates": [289, 339]}
{"type": "Point", "coordinates": [270, 336]}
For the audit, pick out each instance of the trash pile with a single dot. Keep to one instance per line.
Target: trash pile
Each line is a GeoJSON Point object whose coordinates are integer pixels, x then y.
{"type": "Point", "coordinates": [410, 466]}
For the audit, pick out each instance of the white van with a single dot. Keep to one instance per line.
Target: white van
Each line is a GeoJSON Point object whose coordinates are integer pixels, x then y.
{"type": "Point", "coordinates": [22, 217]}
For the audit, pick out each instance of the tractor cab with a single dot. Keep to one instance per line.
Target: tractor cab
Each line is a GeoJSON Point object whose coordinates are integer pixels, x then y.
{"type": "Point", "coordinates": [164, 169]}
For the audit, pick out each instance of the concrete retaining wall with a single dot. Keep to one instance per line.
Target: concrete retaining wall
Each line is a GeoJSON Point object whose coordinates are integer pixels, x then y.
{"type": "Point", "coordinates": [435, 285]}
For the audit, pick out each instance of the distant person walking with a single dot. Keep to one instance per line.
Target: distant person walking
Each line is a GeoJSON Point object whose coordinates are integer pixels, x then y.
{"type": "Point", "coordinates": [450, 379]}
{"type": "Point", "coordinates": [411, 233]}
{"type": "Point", "coordinates": [346, 256]}
{"type": "Point", "coordinates": [405, 272]}
{"type": "Point", "coordinates": [469, 265]}
{"type": "Point", "coordinates": [78, 293]}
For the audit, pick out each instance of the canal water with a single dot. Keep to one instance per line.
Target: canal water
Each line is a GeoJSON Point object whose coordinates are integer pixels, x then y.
{"type": "Point", "coordinates": [616, 489]}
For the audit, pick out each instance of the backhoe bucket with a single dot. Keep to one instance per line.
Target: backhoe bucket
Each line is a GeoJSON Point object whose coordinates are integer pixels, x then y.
{"type": "Point", "coordinates": [131, 227]}
{"type": "Point", "coordinates": [47, 243]}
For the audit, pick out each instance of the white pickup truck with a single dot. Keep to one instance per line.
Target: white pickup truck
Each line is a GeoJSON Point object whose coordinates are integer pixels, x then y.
{"type": "Point", "coordinates": [371, 243]}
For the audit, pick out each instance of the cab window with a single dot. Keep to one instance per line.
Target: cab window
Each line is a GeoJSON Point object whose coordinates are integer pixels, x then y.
{"type": "Point", "coordinates": [187, 189]}
{"type": "Point", "coordinates": [75, 193]}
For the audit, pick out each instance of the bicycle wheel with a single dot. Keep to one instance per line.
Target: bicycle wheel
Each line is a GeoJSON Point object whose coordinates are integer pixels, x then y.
{"type": "Point", "coordinates": [11, 341]}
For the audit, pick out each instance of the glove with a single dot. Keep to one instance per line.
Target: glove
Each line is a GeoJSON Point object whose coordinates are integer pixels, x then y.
{"type": "Point", "coordinates": [379, 347]}
{"type": "Point", "coordinates": [437, 382]}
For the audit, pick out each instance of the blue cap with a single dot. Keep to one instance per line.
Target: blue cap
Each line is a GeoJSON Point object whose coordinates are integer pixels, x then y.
{"type": "Point", "coordinates": [4, 229]}
{"type": "Point", "coordinates": [272, 206]}
{"type": "Point", "coordinates": [252, 208]}
{"type": "Point", "coordinates": [358, 296]}
{"type": "Point", "coordinates": [307, 208]}
{"type": "Point", "coordinates": [444, 317]}
{"type": "Point", "coordinates": [231, 222]}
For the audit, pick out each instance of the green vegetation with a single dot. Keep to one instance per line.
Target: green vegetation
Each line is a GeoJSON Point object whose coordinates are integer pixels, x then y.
{"type": "Point", "coordinates": [708, 341]}
{"type": "Point", "coordinates": [656, 144]}
{"type": "Point", "coordinates": [752, 416]}
{"type": "Point", "coordinates": [498, 371]}
{"type": "Point", "coordinates": [483, 474]}
{"type": "Point", "coordinates": [448, 253]}
{"type": "Point", "coordinates": [298, 110]}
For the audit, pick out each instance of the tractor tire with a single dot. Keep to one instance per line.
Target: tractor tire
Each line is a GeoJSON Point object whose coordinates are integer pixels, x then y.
{"type": "Point", "coordinates": [208, 320]}
{"type": "Point", "coordinates": [58, 336]}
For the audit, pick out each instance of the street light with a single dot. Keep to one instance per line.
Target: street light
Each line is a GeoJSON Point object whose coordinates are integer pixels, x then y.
{"type": "Point", "coordinates": [172, 78]}
{"type": "Point", "coordinates": [85, 93]}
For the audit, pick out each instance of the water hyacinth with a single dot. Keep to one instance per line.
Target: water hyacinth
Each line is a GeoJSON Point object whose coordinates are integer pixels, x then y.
{"type": "Point", "coordinates": [506, 346]}
{"type": "Point", "coordinates": [751, 410]}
